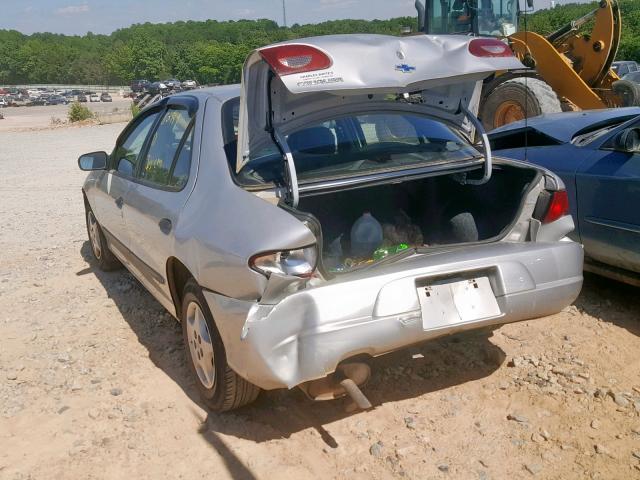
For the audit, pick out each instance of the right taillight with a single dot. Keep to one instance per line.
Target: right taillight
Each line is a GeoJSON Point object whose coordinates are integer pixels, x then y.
{"type": "Point", "coordinates": [558, 206]}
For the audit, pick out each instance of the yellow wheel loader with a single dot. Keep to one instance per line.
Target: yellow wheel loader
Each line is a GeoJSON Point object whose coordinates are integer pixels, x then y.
{"type": "Point", "coordinates": [568, 69]}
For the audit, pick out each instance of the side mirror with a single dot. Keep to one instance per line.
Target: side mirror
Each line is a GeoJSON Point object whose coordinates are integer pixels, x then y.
{"type": "Point", "coordinates": [93, 161]}
{"type": "Point", "coordinates": [530, 3]}
{"type": "Point", "coordinates": [628, 141]}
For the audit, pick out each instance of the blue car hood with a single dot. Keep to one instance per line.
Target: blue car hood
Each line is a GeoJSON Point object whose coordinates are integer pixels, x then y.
{"type": "Point", "coordinates": [564, 126]}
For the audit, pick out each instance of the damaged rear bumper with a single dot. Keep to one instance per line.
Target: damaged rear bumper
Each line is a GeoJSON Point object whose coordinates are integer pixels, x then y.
{"type": "Point", "coordinates": [306, 335]}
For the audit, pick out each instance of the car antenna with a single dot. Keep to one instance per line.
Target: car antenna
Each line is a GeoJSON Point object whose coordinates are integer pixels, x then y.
{"type": "Point", "coordinates": [526, 82]}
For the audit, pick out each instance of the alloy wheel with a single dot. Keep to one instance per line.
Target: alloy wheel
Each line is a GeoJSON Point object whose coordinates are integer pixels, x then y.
{"type": "Point", "coordinates": [200, 345]}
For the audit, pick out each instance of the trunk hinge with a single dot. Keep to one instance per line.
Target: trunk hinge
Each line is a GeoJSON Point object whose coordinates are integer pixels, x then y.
{"type": "Point", "coordinates": [290, 167]}
{"type": "Point", "coordinates": [488, 159]}
{"type": "Point", "coordinates": [281, 143]}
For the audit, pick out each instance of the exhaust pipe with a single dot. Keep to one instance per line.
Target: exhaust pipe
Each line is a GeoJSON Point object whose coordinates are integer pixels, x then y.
{"type": "Point", "coordinates": [346, 380]}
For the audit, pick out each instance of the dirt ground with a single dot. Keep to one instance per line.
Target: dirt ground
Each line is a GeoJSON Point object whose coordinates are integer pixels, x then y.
{"type": "Point", "coordinates": [94, 384]}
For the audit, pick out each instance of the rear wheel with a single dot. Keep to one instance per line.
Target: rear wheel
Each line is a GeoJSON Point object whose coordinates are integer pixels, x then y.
{"type": "Point", "coordinates": [101, 254]}
{"type": "Point", "coordinates": [517, 99]}
{"type": "Point", "coordinates": [220, 387]}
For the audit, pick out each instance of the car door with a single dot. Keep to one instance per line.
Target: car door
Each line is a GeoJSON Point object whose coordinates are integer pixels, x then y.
{"type": "Point", "coordinates": [114, 186]}
{"type": "Point", "coordinates": [608, 190]}
{"type": "Point", "coordinates": [160, 192]}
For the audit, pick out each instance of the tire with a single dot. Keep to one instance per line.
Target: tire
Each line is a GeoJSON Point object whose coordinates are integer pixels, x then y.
{"type": "Point", "coordinates": [219, 386]}
{"type": "Point", "coordinates": [628, 91]}
{"type": "Point", "coordinates": [103, 257]}
{"type": "Point", "coordinates": [463, 228]}
{"type": "Point", "coordinates": [516, 99]}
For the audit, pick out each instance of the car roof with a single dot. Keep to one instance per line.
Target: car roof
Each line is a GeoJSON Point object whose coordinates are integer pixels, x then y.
{"type": "Point", "coordinates": [221, 93]}
{"type": "Point", "coordinates": [565, 126]}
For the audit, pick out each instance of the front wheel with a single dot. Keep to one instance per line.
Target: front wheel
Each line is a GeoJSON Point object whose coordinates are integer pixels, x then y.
{"type": "Point", "coordinates": [220, 387]}
{"type": "Point", "coordinates": [517, 99]}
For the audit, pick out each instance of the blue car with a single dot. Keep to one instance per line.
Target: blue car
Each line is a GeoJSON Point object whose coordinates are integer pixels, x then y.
{"type": "Point", "coordinates": [597, 155]}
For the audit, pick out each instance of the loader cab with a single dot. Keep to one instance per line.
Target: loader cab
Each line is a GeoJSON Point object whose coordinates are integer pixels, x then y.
{"type": "Point", "coordinates": [495, 18]}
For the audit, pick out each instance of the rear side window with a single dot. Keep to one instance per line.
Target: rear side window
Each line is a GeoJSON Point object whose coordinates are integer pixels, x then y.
{"type": "Point", "coordinates": [168, 157]}
{"type": "Point", "coordinates": [127, 153]}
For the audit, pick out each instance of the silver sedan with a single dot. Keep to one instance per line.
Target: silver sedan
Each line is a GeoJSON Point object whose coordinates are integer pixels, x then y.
{"type": "Point", "coordinates": [330, 209]}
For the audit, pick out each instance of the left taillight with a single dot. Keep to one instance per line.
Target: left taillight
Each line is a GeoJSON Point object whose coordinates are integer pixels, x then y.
{"type": "Point", "coordinates": [301, 262]}
{"type": "Point", "coordinates": [489, 47]}
{"type": "Point", "coordinates": [295, 58]}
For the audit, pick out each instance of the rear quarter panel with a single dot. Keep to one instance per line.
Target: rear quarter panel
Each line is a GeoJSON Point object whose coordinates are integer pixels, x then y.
{"type": "Point", "coordinates": [222, 226]}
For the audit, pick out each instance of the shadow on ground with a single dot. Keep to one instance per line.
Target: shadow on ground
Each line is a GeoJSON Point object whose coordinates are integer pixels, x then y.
{"type": "Point", "coordinates": [610, 301]}
{"type": "Point", "coordinates": [410, 373]}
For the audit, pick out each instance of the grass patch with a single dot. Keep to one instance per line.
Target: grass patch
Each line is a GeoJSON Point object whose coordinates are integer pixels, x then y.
{"type": "Point", "coordinates": [78, 112]}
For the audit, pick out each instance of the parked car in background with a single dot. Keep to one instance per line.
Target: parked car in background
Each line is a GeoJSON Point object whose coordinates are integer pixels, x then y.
{"type": "Point", "coordinates": [105, 97]}
{"type": "Point", "coordinates": [37, 101]}
{"type": "Point", "coordinates": [597, 155]}
{"type": "Point", "coordinates": [158, 88]}
{"type": "Point", "coordinates": [624, 67]}
{"type": "Point", "coordinates": [274, 256]}
{"type": "Point", "coordinates": [94, 97]}
{"type": "Point", "coordinates": [632, 77]}
{"type": "Point", "coordinates": [138, 86]}
{"type": "Point", "coordinates": [189, 84]}
{"type": "Point", "coordinates": [57, 100]}
{"type": "Point", "coordinates": [173, 84]}
{"type": "Point", "coordinates": [82, 98]}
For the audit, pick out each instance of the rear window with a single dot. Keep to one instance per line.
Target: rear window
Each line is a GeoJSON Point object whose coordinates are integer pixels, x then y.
{"type": "Point", "coordinates": [352, 145]}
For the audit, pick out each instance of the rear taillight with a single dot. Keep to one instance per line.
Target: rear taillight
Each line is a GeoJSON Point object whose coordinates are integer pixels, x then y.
{"type": "Point", "coordinates": [558, 206]}
{"type": "Point", "coordinates": [489, 47]}
{"type": "Point", "coordinates": [295, 58]}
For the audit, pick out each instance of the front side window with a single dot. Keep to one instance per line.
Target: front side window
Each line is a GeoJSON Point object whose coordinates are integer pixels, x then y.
{"type": "Point", "coordinates": [359, 144]}
{"type": "Point", "coordinates": [127, 153]}
{"type": "Point", "coordinates": [169, 148]}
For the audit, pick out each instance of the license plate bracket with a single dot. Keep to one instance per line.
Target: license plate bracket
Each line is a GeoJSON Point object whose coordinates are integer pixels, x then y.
{"type": "Point", "coordinates": [457, 302]}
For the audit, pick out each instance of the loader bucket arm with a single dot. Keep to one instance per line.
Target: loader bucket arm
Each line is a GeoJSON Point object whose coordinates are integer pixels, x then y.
{"type": "Point", "coordinates": [594, 54]}
{"type": "Point", "coordinates": [576, 66]}
{"type": "Point", "coordinates": [555, 69]}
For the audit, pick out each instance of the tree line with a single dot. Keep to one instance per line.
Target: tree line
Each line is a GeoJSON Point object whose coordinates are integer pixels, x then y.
{"type": "Point", "coordinates": [212, 52]}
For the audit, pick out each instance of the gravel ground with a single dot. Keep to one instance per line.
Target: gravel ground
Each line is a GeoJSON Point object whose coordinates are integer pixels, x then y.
{"type": "Point", "coordinates": [36, 118]}
{"type": "Point", "coordinates": [93, 381]}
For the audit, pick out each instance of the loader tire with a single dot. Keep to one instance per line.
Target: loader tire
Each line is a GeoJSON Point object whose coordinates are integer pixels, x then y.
{"type": "Point", "coordinates": [628, 92]}
{"type": "Point", "coordinates": [517, 99]}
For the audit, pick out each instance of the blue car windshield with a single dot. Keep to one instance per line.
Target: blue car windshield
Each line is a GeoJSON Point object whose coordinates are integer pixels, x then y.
{"type": "Point", "coordinates": [360, 144]}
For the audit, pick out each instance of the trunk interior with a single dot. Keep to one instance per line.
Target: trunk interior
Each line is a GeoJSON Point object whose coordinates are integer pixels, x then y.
{"type": "Point", "coordinates": [430, 212]}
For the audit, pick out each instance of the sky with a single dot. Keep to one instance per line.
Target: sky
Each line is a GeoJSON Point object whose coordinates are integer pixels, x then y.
{"type": "Point", "coordinates": [76, 17]}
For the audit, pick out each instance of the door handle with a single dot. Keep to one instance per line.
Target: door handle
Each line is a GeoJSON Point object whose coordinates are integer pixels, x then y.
{"type": "Point", "coordinates": [119, 202]}
{"type": "Point", "coordinates": [165, 226]}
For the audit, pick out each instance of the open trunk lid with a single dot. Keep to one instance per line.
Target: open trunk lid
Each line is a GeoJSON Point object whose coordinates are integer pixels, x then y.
{"type": "Point", "coordinates": [284, 83]}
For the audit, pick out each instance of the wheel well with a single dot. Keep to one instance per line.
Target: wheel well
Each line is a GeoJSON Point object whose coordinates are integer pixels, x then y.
{"type": "Point", "coordinates": [86, 200]}
{"type": "Point", "coordinates": [177, 277]}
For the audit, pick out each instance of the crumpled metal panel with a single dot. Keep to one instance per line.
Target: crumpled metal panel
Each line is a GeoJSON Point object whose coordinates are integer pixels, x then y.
{"type": "Point", "coordinates": [305, 335]}
{"type": "Point", "coordinates": [441, 67]}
